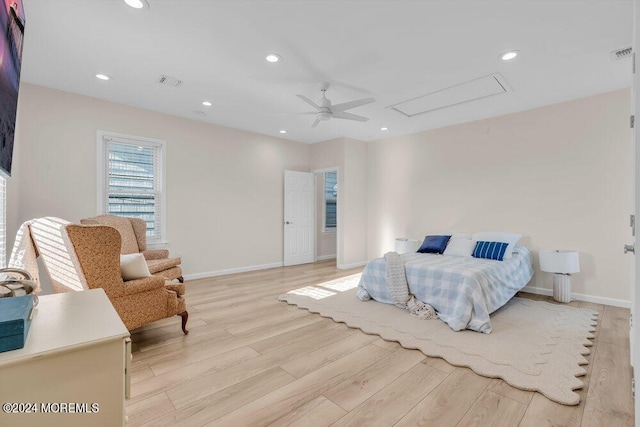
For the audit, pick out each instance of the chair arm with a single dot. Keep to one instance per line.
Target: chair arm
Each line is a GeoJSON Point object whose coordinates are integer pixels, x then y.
{"type": "Point", "coordinates": [156, 254]}
{"type": "Point", "coordinates": [178, 288]}
{"type": "Point", "coordinates": [143, 285]}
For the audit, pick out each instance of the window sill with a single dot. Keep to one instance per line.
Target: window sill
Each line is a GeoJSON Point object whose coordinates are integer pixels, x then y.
{"type": "Point", "coordinates": [329, 231]}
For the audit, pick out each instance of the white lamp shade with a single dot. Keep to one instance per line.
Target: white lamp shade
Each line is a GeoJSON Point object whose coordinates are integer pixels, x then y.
{"type": "Point", "coordinates": [554, 261]}
{"type": "Point", "coordinates": [405, 246]}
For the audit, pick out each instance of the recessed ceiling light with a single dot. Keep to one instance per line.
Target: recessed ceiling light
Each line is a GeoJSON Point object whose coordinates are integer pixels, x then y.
{"type": "Point", "coordinates": [103, 77]}
{"type": "Point", "coordinates": [137, 4]}
{"type": "Point", "coordinates": [384, 128]}
{"type": "Point", "coordinates": [508, 56]}
{"type": "Point", "coordinates": [283, 131]}
{"type": "Point", "coordinates": [272, 57]}
{"type": "Point", "coordinates": [207, 103]}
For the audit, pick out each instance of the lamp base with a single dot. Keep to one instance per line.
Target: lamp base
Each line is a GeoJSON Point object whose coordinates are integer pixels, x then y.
{"type": "Point", "coordinates": [562, 287]}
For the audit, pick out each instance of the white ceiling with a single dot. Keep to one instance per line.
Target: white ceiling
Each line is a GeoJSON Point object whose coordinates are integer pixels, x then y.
{"type": "Point", "coordinates": [389, 50]}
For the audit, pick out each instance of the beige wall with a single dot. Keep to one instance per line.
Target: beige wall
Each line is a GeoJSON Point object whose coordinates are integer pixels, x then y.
{"type": "Point", "coordinates": [350, 157]}
{"type": "Point", "coordinates": [224, 186]}
{"type": "Point", "coordinates": [354, 211]}
{"type": "Point", "coordinates": [560, 175]}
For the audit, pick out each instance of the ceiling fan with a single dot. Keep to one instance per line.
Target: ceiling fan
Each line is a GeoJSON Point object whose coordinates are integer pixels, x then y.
{"type": "Point", "coordinates": [326, 111]}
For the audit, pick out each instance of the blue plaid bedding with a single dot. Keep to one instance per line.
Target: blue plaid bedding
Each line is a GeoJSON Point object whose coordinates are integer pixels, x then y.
{"type": "Point", "coordinates": [463, 290]}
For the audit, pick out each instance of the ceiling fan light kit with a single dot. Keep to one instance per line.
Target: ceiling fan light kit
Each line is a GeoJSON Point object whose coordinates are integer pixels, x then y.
{"type": "Point", "coordinates": [137, 4]}
{"type": "Point", "coordinates": [326, 111]}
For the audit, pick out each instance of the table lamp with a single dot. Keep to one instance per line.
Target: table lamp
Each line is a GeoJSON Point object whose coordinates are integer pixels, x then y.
{"type": "Point", "coordinates": [562, 263]}
{"type": "Point", "coordinates": [406, 246]}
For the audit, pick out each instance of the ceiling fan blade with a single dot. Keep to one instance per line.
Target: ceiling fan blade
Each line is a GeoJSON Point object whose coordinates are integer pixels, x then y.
{"type": "Point", "coordinates": [315, 123]}
{"type": "Point", "coordinates": [308, 101]}
{"type": "Point", "coordinates": [349, 116]}
{"type": "Point", "coordinates": [352, 104]}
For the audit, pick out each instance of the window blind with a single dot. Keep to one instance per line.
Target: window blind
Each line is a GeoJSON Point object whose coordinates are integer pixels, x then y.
{"type": "Point", "coordinates": [134, 183]}
{"type": "Point", "coordinates": [330, 199]}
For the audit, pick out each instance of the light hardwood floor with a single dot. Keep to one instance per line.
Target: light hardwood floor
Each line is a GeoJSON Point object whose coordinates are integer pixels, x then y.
{"type": "Point", "coordinates": [252, 360]}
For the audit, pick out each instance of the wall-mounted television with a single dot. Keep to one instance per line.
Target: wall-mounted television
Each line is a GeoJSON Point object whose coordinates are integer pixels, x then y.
{"type": "Point", "coordinates": [12, 26]}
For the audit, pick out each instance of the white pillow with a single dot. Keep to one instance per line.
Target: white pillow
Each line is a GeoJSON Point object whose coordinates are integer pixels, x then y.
{"type": "Point", "coordinates": [498, 236]}
{"type": "Point", "coordinates": [133, 266]}
{"type": "Point", "coordinates": [461, 236]}
{"type": "Point", "coordinates": [460, 246]}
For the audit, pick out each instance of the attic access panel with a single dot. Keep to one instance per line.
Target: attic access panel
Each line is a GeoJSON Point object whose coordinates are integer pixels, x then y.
{"type": "Point", "coordinates": [472, 90]}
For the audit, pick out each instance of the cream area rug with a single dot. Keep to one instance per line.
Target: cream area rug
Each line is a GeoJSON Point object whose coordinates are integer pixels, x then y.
{"type": "Point", "coordinates": [533, 346]}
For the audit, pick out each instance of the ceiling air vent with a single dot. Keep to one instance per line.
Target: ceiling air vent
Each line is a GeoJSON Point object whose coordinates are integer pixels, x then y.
{"type": "Point", "coordinates": [621, 53]}
{"type": "Point", "coordinates": [169, 81]}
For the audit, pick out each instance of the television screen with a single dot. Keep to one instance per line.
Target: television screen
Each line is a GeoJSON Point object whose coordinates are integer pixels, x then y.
{"type": "Point", "coordinates": [12, 26]}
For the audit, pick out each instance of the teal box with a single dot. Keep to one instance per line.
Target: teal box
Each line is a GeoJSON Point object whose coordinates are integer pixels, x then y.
{"type": "Point", "coordinates": [15, 319]}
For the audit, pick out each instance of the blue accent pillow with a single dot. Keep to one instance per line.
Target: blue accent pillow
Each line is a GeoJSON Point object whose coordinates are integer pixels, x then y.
{"type": "Point", "coordinates": [490, 250]}
{"type": "Point", "coordinates": [434, 244]}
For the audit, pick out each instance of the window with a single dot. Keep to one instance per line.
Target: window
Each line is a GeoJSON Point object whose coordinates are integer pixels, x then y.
{"type": "Point", "coordinates": [330, 201]}
{"type": "Point", "coordinates": [131, 180]}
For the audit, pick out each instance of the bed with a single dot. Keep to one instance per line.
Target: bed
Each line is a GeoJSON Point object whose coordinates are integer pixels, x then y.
{"type": "Point", "coordinates": [462, 290]}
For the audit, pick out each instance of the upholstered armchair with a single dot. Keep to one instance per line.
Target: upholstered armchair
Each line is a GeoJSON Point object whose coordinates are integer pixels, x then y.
{"type": "Point", "coordinates": [80, 257]}
{"type": "Point", "coordinates": [134, 239]}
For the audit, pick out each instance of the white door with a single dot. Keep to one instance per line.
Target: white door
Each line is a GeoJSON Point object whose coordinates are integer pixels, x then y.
{"type": "Point", "coordinates": [299, 218]}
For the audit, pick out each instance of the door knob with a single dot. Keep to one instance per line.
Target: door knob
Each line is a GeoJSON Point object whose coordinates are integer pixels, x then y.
{"type": "Point", "coordinates": [287, 222]}
{"type": "Point", "coordinates": [629, 248]}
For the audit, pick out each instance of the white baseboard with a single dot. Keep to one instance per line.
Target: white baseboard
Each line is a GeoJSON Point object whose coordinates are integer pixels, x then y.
{"type": "Point", "coordinates": [352, 265]}
{"type": "Point", "coordinates": [325, 257]}
{"type": "Point", "coordinates": [231, 271]}
{"type": "Point", "coordinates": [581, 297]}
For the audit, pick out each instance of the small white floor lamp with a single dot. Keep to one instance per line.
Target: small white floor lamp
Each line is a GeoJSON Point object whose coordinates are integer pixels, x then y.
{"type": "Point", "coordinates": [562, 264]}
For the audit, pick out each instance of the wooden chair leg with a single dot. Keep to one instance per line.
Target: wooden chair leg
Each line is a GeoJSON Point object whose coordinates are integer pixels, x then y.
{"type": "Point", "coordinates": [181, 279]}
{"type": "Point", "coordinates": [185, 317]}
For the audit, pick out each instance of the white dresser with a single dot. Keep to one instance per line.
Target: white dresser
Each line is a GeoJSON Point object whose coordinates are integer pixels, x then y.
{"type": "Point", "coordinates": [73, 368]}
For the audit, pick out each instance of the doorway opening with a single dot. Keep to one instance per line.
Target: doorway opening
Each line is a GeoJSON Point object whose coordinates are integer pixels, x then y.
{"type": "Point", "coordinates": [327, 219]}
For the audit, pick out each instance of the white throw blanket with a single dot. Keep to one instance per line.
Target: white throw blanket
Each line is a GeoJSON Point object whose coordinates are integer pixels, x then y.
{"type": "Point", "coordinates": [399, 289]}
{"type": "Point", "coordinates": [24, 254]}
